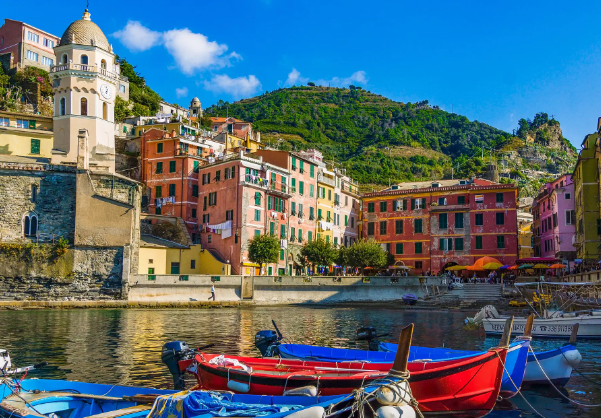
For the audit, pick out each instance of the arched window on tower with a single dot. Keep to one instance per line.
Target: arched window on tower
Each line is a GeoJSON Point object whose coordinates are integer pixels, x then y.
{"type": "Point", "coordinates": [30, 225]}
{"type": "Point", "coordinates": [103, 64]}
{"type": "Point", "coordinates": [84, 60]}
{"type": "Point", "coordinates": [64, 59]}
{"type": "Point", "coordinates": [84, 107]}
{"type": "Point", "coordinates": [63, 107]}
{"type": "Point", "coordinates": [105, 111]}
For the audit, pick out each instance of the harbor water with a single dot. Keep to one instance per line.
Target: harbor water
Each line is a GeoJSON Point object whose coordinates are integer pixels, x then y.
{"type": "Point", "coordinates": [123, 346]}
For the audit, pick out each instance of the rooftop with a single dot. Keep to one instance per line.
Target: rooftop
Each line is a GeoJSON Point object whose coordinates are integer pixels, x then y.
{"type": "Point", "coordinates": [433, 185]}
{"type": "Point", "coordinates": [150, 241]}
{"type": "Point", "coordinates": [85, 32]}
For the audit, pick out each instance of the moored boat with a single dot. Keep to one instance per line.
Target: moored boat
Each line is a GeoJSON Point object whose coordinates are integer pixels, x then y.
{"type": "Point", "coordinates": [409, 299]}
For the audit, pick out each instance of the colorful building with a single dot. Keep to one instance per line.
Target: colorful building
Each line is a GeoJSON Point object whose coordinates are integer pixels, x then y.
{"type": "Point", "coordinates": [432, 225]}
{"type": "Point", "coordinates": [525, 237]}
{"type": "Point", "coordinates": [587, 207]}
{"type": "Point", "coordinates": [27, 45]}
{"type": "Point", "coordinates": [346, 232]}
{"type": "Point", "coordinates": [554, 212]}
{"type": "Point", "coordinates": [25, 135]}
{"type": "Point", "coordinates": [231, 125]}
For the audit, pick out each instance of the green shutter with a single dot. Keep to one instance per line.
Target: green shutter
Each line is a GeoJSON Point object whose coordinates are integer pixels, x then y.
{"type": "Point", "coordinates": [283, 231]}
{"type": "Point", "coordinates": [404, 204]}
{"type": "Point", "coordinates": [272, 228]}
{"type": "Point", "coordinates": [423, 203]}
{"type": "Point", "coordinates": [35, 146]}
{"type": "Point", "coordinates": [257, 198]}
{"type": "Point", "coordinates": [441, 244]}
{"type": "Point", "coordinates": [412, 204]}
{"type": "Point", "coordinates": [32, 124]}
{"type": "Point", "coordinates": [269, 202]}
{"type": "Point", "coordinates": [450, 244]}
{"type": "Point", "coordinates": [301, 187]}
{"type": "Point", "coordinates": [312, 171]}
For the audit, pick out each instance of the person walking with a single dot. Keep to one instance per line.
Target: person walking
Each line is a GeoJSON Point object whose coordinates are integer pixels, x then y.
{"type": "Point", "coordinates": [212, 293]}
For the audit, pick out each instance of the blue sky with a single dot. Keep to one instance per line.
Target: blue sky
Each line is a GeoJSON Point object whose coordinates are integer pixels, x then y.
{"type": "Point", "coordinates": [494, 62]}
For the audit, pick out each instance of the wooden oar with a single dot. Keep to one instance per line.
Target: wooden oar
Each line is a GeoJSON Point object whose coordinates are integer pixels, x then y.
{"type": "Point", "coordinates": [574, 334]}
{"type": "Point", "coordinates": [504, 343]}
{"type": "Point", "coordinates": [402, 355]}
{"type": "Point", "coordinates": [529, 324]}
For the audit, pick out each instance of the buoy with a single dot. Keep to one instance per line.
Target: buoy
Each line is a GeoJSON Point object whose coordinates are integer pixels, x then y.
{"type": "Point", "coordinates": [397, 394]}
{"type": "Point", "coordinates": [238, 386]}
{"type": "Point", "coordinates": [573, 357]}
{"type": "Point", "coordinates": [404, 411]}
{"type": "Point", "coordinates": [313, 412]}
{"type": "Point", "coordinates": [302, 391]}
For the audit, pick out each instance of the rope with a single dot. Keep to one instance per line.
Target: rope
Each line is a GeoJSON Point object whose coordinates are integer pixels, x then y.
{"type": "Point", "coordinates": [580, 373]}
{"type": "Point", "coordinates": [555, 387]}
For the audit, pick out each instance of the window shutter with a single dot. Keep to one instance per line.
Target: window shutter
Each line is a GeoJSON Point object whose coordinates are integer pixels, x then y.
{"type": "Point", "coordinates": [269, 203]}
{"type": "Point", "coordinates": [441, 244]}
{"type": "Point", "coordinates": [412, 204]}
{"type": "Point", "coordinates": [404, 204]}
{"type": "Point", "coordinates": [423, 203]}
{"type": "Point", "coordinates": [450, 244]}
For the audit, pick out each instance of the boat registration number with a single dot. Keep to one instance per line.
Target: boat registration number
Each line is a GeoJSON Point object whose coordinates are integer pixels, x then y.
{"type": "Point", "coordinates": [536, 328]}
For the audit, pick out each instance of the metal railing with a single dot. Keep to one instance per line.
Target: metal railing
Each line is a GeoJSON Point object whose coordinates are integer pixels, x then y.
{"type": "Point", "coordinates": [326, 180]}
{"type": "Point", "coordinates": [87, 68]}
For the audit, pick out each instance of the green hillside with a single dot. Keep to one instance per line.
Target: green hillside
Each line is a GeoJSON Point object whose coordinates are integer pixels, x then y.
{"type": "Point", "coordinates": [378, 140]}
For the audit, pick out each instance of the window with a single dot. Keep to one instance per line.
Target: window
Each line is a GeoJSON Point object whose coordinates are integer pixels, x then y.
{"type": "Point", "coordinates": [281, 254]}
{"type": "Point", "coordinates": [398, 227]}
{"type": "Point", "coordinates": [294, 163]}
{"type": "Point", "coordinates": [443, 221]}
{"type": "Point", "coordinates": [157, 210]}
{"type": "Point", "coordinates": [30, 225]}
{"type": "Point", "coordinates": [500, 241]}
{"type": "Point", "coordinates": [399, 248]}
{"type": "Point", "coordinates": [35, 146]}
{"type": "Point", "coordinates": [151, 275]}
{"type": "Point", "coordinates": [84, 60]}
{"type": "Point", "coordinates": [329, 194]}
{"type": "Point", "coordinates": [34, 193]}
{"type": "Point", "coordinates": [445, 244]}
{"type": "Point", "coordinates": [555, 223]}
{"type": "Point", "coordinates": [300, 235]}
{"type": "Point", "coordinates": [194, 213]}
{"type": "Point", "coordinates": [64, 59]}
{"type": "Point", "coordinates": [63, 106]}
{"type": "Point", "coordinates": [312, 170]}
{"type": "Point", "coordinates": [174, 267]}
{"type": "Point", "coordinates": [352, 222]}
{"type": "Point", "coordinates": [345, 220]}
{"type": "Point", "coordinates": [383, 228]}
{"type": "Point", "coordinates": [479, 219]}
{"type": "Point", "coordinates": [371, 207]}
{"type": "Point", "coordinates": [310, 236]}
{"type": "Point", "coordinates": [205, 218]}
{"type": "Point", "coordinates": [442, 201]}
{"type": "Point", "coordinates": [192, 264]}
{"type": "Point", "coordinates": [33, 56]}
{"type": "Point", "coordinates": [4, 122]}
{"type": "Point", "coordinates": [257, 198]}
{"type": "Point", "coordinates": [22, 123]}
{"type": "Point", "coordinates": [478, 242]}
{"type": "Point", "coordinates": [458, 220]}
{"type": "Point", "coordinates": [218, 175]}
{"type": "Point", "coordinates": [105, 111]}
{"type": "Point", "coordinates": [47, 61]}
{"type": "Point", "coordinates": [418, 264]}
{"type": "Point", "coordinates": [417, 226]}
{"type": "Point", "coordinates": [570, 217]}
{"type": "Point", "coordinates": [311, 213]}
{"type": "Point", "coordinates": [499, 197]}
{"type": "Point", "coordinates": [335, 238]}
{"type": "Point", "coordinates": [172, 190]}
{"type": "Point", "coordinates": [158, 191]}
{"type": "Point", "coordinates": [257, 232]}
{"type": "Point", "coordinates": [172, 166]}
{"type": "Point", "coordinates": [500, 218]}
{"type": "Point", "coordinates": [461, 200]}
{"type": "Point", "coordinates": [159, 168]}
{"type": "Point", "coordinates": [122, 88]}
{"type": "Point", "coordinates": [458, 244]}
{"type": "Point", "coordinates": [213, 199]}
{"type": "Point", "coordinates": [48, 43]}
{"type": "Point", "coordinates": [418, 249]}
{"type": "Point", "coordinates": [311, 190]}
{"type": "Point", "coordinates": [229, 215]}
{"type": "Point", "coordinates": [383, 206]}
{"type": "Point", "coordinates": [370, 228]}
{"type": "Point", "coordinates": [301, 188]}
{"type": "Point", "coordinates": [257, 215]}
{"type": "Point", "coordinates": [195, 190]}
{"type": "Point", "coordinates": [568, 196]}
{"type": "Point", "coordinates": [319, 214]}
{"type": "Point", "coordinates": [33, 37]}
{"type": "Point", "coordinates": [84, 107]}
{"type": "Point", "coordinates": [302, 164]}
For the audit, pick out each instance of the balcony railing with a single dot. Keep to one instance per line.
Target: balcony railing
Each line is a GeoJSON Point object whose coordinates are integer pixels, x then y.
{"type": "Point", "coordinates": [257, 180]}
{"type": "Point", "coordinates": [87, 68]}
{"type": "Point", "coordinates": [326, 180]}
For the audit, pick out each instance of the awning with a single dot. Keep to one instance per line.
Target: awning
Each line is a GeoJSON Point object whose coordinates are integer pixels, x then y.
{"type": "Point", "coordinates": [245, 264]}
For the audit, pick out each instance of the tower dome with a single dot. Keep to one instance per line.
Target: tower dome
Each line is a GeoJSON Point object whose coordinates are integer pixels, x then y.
{"type": "Point", "coordinates": [85, 32]}
{"type": "Point", "coordinates": [195, 102]}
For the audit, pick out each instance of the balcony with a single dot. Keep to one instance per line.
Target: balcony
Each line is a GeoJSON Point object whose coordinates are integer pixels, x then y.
{"type": "Point", "coordinates": [445, 208]}
{"type": "Point", "coordinates": [88, 69]}
{"type": "Point", "coordinates": [259, 181]}
{"type": "Point", "coordinates": [279, 189]}
{"type": "Point", "coordinates": [326, 180]}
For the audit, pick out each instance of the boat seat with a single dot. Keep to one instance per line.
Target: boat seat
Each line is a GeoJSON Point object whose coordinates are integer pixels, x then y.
{"type": "Point", "coordinates": [124, 411]}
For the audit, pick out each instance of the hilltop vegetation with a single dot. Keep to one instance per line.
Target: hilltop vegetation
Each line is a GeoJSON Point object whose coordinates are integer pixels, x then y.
{"type": "Point", "coordinates": [143, 101]}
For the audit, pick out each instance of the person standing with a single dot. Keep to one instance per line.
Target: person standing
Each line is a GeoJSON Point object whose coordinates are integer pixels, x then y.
{"type": "Point", "coordinates": [212, 292]}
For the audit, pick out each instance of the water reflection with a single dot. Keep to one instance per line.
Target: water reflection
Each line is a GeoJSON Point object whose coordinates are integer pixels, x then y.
{"type": "Point", "coordinates": [123, 346]}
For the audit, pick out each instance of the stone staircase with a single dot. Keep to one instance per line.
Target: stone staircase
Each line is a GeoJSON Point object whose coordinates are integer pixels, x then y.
{"type": "Point", "coordinates": [473, 293]}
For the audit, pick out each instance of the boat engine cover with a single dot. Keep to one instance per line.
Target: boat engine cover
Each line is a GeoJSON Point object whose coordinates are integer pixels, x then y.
{"type": "Point", "coordinates": [264, 339]}
{"type": "Point", "coordinates": [173, 352]}
{"type": "Point", "coordinates": [366, 334]}
{"type": "Point", "coordinates": [4, 360]}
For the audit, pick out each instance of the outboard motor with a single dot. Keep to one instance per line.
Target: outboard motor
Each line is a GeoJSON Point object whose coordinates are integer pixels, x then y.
{"type": "Point", "coordinates": [173, 352]}
{"type": "Point", "coordinates": [266, 341]}
{"type": "Point", "coordinates": [369, 334]}
{"type": "Point", "coordinates": [4, 361]}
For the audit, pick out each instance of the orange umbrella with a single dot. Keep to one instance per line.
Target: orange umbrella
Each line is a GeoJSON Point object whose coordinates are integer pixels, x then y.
{"type": "Point", "coordinates": [479, 264]}
{"type": "Point", "coordinates": [513, 268]}
{"type": "Point", "coordinates": [557, 266]}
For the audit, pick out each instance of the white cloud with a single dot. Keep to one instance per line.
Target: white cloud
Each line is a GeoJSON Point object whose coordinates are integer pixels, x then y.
{"type": "Point", "coordinates": [295, 77]}
{"type": "Point", "coordinates": [193, 51]}
{"type": "Point", "coordinates": [236, 87]}
{"type": "Point", "coordinates": [137, 37]}
{"type": "Point", "coordinates": [183, 92]}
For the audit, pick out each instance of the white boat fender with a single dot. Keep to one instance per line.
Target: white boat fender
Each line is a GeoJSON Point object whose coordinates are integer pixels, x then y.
{"type": "Point", "coordinates": [404, 411]}
{"type": "Point", "coordinates": [302, 391]}
{"type": "Point", "coordinates": [572, 357]}
{"type": "Point", "coordinates": [313, 412]}
{"type": "Point", "coordinates": [397, 394]}
{"type": "Point", "coordinates": [239, 387]}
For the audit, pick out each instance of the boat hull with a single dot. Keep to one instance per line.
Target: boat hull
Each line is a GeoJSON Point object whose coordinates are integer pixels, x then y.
{"type": "Point", "coordinates": [557, 365]}
{"type": "Point", "coordinates": [589, 326]}
{"type": "Point", "coordinates": [462, 387]}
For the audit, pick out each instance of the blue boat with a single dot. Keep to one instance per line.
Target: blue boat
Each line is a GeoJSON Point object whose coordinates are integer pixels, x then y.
{"type": "Point", "coordinates": [409, 299]}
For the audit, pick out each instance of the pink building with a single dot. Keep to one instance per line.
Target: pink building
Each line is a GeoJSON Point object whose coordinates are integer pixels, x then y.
{"type": "Point", "coordinates": [555, 226]}
{"type": "Point", "coordinates": [27, 44]}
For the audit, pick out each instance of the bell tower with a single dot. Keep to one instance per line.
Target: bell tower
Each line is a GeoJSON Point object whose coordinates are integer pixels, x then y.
{"type": "Point", "coordinates": [85, 80]}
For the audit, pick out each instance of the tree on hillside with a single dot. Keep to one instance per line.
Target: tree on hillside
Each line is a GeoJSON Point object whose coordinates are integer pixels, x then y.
{"type": "Point", "coordinates": [319, 252]}
{"type": "Point", "coordinates": [311, 84]}
{"type": "Point", "coordinates": [366, 253]}
{"type": "Point", "coordinates": [264, 249]}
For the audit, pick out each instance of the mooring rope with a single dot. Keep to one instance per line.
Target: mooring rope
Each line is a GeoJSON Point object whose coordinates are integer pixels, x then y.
{"type": "Point", "coordinates": [579, 372]}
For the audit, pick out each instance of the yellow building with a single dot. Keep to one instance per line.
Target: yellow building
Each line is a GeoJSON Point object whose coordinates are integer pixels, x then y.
{"type": "Point", "coordinates": [25, 135]}
{"type": "Point", "coordinates": [525, 247]}
{"type": "Point", "coordinates": [587, 208]}
{"type": "Point", "coordinates": [161, 256]}
{"type": "Point", "coordinates": [236, 143]}
{"type": "Point", "coordinates": [326, 211]}
{"type": "Point", "coordinates": [179, 127]}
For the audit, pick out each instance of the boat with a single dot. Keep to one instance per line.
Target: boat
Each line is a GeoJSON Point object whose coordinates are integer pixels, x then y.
{"type": "Point", "coordinates": [462, 387]}
{"type": "Point", "coordinates": [515, 362]}
{"type": "Point", "coordinates": [550, 323]}
{"type": "Point", "coordinates": [409, 299]}
{"type": "Point", "coordinates": [35, 398]}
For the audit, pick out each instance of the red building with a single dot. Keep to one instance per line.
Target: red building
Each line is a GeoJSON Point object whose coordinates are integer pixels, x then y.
{"type": "Point", "coordinates": [431, 225]}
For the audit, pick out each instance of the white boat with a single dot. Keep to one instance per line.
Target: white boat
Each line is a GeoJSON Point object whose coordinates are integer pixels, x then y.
{"type": "Point", "coordinates": [557, 365]}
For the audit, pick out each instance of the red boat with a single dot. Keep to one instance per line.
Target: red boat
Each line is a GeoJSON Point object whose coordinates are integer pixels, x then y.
{"type": "Point", "coordinates": [461, 387]}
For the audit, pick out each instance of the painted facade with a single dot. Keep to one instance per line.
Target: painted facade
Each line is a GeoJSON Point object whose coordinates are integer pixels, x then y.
{"type": "Point", "coordinates": [554, 210]}
{"type": "Point", "coordinates": [430, 225]}
{"type": "Point", "coordinates": [25, 135]}
{"type": "Point", "coordinates": [28, 45]}
{"type": "Point", "coordinates": [587, 207]}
